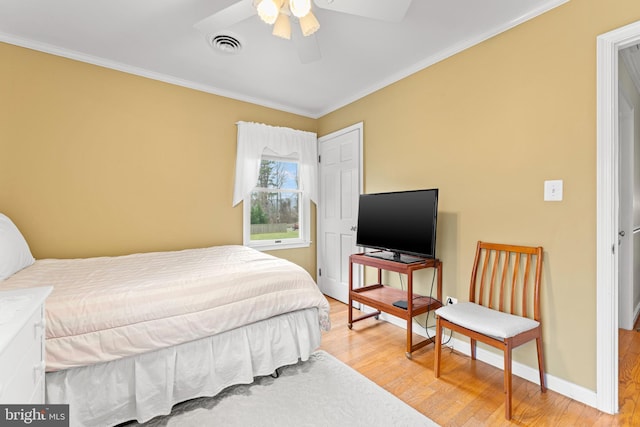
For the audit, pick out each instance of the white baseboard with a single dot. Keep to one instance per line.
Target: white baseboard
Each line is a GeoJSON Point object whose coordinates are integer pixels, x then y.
{"type": "Point", "coordinates": [558, 385]}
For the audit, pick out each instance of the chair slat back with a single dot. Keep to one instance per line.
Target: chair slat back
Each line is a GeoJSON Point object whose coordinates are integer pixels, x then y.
{"type": "Point", "coordinates": [507, 278]}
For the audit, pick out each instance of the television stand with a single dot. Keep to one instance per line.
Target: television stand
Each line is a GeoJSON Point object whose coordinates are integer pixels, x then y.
{"type": "Point", "coordinates": [395, 256]}
{"type": "Point", "coordinates": [382, 297]}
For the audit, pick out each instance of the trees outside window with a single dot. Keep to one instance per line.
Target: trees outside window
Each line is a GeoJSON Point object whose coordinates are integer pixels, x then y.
{"type": "Point", "coordinates": [276, 204]}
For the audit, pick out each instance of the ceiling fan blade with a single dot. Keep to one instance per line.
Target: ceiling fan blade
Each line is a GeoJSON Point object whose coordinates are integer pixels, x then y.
{"type": "Point", "coordinates": [227, 17]}
{"type": "Point", "coordinates": [307, 47]}
{"type": "Point", "coordinates": [383, 10]}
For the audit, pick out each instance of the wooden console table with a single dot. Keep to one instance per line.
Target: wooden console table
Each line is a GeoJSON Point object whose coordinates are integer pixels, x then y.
{"type": "Point", "coordinates": [381, 297]}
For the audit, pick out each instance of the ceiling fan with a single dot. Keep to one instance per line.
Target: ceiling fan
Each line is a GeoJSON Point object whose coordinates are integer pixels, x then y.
{"type": "Point", "coordinates": [279, 13]}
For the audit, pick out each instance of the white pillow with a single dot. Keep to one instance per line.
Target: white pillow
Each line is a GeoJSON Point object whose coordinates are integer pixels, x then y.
{"type": "Point", "coordinates": [14, 250]}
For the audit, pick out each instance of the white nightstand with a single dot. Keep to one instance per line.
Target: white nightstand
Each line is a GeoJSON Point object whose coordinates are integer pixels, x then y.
{"type": "Point", "coordinates": [22, 332]}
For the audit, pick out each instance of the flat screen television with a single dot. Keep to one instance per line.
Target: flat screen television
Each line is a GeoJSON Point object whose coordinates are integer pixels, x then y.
{"type": "Point", "coordinates": [401, 224]}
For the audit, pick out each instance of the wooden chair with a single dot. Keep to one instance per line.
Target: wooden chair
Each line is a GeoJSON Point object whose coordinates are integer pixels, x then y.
{"type": "Point", "coordinates": [503, 309]}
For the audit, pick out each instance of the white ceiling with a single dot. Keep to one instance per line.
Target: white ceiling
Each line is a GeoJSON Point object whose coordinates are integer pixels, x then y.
{"type": "Point", "coordinates": [157, 39]}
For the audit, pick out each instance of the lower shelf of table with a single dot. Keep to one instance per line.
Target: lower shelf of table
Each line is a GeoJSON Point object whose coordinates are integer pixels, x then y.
{"type": "Point", "coordinates": [382, 297]}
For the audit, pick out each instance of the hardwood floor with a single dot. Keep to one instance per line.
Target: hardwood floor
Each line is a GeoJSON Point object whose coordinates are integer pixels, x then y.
{"type": "Point", "coordinates": [469, 393]}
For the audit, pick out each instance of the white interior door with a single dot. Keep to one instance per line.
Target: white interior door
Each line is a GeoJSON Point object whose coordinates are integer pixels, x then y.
{"type": "Point", "coordinates": [625, 234]}
{"type": "Point", "coordinates": [340, 178]}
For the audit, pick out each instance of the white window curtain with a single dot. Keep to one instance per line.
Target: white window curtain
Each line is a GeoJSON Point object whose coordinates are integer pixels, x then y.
{"type": "Point", "coordinates": [254, 138]}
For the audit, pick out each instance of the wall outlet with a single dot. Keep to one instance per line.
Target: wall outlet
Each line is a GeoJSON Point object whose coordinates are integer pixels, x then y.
{"type": "Point", "coordinates": [451, 300]}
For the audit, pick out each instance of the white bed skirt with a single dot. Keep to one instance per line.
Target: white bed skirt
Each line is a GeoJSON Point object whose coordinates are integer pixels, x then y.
{"type": "Point", "coordinates": [149, 384]}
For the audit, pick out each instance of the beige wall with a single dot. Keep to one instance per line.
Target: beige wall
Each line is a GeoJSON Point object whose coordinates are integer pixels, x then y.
{"type": "Point", "coordinates": [488, 127]}
{"type": "Point", "coordinates": [97, 162]}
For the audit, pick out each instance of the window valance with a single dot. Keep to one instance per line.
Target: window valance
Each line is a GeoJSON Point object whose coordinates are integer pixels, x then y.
{"type": "Point", "coordinates": [254, 138]}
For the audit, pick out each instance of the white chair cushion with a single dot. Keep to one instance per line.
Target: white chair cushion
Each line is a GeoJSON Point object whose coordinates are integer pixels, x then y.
{"type": "Point", "coordinates": [486, 321]}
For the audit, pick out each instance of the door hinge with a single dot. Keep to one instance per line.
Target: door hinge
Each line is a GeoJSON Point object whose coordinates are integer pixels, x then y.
{"type": "Point", "coordinates": [613, 249]}
{"type": "Point", "coordinates": [319, 272]}
{"type": "Point", "coordinates": [319, 158]}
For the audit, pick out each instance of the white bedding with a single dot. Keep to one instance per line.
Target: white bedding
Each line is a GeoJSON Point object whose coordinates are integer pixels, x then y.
{"type": "Point", "coordinates": [106, 308]}
{"type": "Point", "coordinates": [147, 385]}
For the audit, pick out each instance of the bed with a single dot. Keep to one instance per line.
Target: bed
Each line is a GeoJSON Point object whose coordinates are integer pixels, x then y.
{"type": "Point", "coordinates": [128, 337]}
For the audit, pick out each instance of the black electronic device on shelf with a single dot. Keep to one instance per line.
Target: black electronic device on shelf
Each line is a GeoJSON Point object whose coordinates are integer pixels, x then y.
{"type": "Point", "coordinates": [401, 304]}
{"type": "Point", "coordinates": [401, 224]}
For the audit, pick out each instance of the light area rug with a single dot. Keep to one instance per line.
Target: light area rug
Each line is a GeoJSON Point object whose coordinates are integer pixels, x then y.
{"type": "Point", "coordinates": [321, 391]}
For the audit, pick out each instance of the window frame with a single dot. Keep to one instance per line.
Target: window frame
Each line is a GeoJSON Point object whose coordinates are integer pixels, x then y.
{"type": "Point", "coordinates": [304, 218]}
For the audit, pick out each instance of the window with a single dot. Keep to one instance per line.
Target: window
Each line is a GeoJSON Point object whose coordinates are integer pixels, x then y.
{"type": "Point", "coordinates": [276, 179]}
{"type": "Point", "coordinates": [277, 216]}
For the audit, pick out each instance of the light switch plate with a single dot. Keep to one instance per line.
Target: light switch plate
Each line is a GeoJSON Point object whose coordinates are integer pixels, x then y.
{"type": "Point", "coordinates": [553, 190]}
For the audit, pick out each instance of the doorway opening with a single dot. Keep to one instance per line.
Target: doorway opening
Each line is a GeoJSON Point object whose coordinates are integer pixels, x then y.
{"type": "Point", "coordinates": [608, 186]}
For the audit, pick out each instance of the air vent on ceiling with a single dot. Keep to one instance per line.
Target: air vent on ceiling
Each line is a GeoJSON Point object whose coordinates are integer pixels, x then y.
{"type": "Point", "coordinates": [226, 43]}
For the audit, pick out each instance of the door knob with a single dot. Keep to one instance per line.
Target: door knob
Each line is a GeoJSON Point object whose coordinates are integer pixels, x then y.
{"type": "Point", "coordinates": [353, 228]}
{"type": "Point", "coordinates": [621, 233]}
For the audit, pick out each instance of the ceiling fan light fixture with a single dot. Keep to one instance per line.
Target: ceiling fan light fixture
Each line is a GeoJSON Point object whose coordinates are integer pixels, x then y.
{"type": "Point", "coordinates": [309, 24]}
{"type": "Point", "coordinates": [300, 8]}
{"type": "Point", "coordinates": [282, 27]}
{"type": "Point", "coordinates": [268, 10]}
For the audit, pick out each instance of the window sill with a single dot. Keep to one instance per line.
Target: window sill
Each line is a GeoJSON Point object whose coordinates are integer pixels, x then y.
{"type": "Point", "coordinates": [276, 246]}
